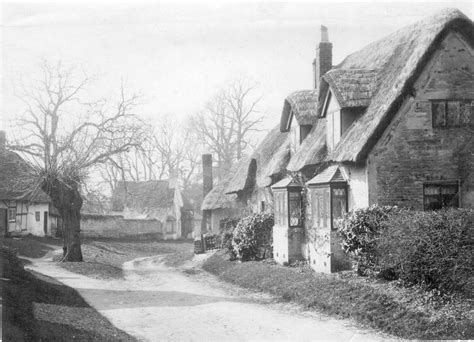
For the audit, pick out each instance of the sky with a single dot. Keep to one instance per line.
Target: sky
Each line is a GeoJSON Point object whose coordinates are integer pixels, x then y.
{"type": "Point", "coordinates": [177, 55]}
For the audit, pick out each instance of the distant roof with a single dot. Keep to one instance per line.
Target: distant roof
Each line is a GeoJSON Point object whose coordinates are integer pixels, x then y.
{"type": "Point", "coordinates": [17, 180]}
{"type": "Point", "coordinates": [143, 196]}
{"type": "Point", "coordinates": [218, 199]}
{"type": "Point", "coordinates": [269, 159]}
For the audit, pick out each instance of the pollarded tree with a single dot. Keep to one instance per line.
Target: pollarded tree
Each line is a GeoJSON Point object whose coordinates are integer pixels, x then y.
{"type": "Point", "coordinates": [66, 136]}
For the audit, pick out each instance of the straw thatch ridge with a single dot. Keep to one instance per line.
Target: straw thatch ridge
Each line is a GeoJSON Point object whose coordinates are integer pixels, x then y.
{"type": "Point", "coordinates": [303, 105]}
{"type": "Point", "coordinates": [400, 58]}
{"type": "Point", "coordinates": [265, 164]}
{"type": "Point", "coordinates": [218, 199]}
{"type": "Point", "coordinates": [352, 87]}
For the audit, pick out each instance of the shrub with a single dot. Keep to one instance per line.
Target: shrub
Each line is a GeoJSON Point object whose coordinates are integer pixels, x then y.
{"type": "Point", "coordinates": [434, 249]}
{"type": "Point", "coordinates": [359, 231]}
{"type": "Point", "coordinates": [226, 228]}
{"type": "Point", "coordinates": [252, 237]}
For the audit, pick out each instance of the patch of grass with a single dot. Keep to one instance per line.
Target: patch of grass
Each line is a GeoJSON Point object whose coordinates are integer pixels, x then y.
{"type": "Point", "coordinates": [407, 313]}
{"type": "Point", "coordinates": [32, 246]}
{"type": "Point", "coordinates": [38, 308]}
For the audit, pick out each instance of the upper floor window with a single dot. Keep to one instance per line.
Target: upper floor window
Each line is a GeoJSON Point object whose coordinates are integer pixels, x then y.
{"type": "Point", "coordinates": [442, 195]}
{"type": "Point", "coordinates": [452, 113]}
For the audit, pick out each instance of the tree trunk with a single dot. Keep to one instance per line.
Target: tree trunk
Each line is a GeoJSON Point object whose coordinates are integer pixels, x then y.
{"type": "Point", "coordinates": [67, 199]}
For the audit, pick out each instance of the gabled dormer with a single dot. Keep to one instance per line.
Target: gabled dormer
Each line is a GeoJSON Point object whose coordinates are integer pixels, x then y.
{"type": "Point", "coordinates": [299, 115]}
{"type": "Point", "coordinates": [349, 94]}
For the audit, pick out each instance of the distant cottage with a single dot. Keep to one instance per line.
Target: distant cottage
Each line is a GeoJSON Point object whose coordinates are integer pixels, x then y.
{"type": "Point", "coordinates": [24, 208]}
{"type": "Point", "coordinates": [393, 124]}
{"type": "Point", "coordinates": [159, 200]}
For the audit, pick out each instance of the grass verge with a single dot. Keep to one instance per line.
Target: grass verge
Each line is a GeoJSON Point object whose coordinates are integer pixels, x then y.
{"type": "Point", "coordinates": [404, 312]}
{"type": "Point", "coordinates": [38, 308]}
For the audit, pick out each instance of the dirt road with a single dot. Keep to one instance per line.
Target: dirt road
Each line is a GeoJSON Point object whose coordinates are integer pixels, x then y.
{"type": "Point", "coordinates": [155, 302]}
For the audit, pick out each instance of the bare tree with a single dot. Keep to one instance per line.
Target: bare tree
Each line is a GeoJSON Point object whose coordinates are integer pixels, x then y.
{"type": "Point", "coordinates": [225, 125]}
{"type": "Point", "coordinates": [64, 149]}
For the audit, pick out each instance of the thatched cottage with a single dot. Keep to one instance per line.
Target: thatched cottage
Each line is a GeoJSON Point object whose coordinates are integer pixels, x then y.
{"type": "Point", "coordinates": [247, 188]}
{"type": "Point", "coordinates": [159, 201]}
{"type": "Point", "coordinates": [392, 124]}
{"type": "Point", "coordinates": [24, 209]}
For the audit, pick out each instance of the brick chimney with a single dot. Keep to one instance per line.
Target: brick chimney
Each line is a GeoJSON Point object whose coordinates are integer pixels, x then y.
{"type": "Point", "coordinates": [323, 61]}
{"type": "Point", "coordinates": [3, 141]}
{"type": "Point", "coordinates": [206, 174]}
{"type": "Point", "coordinates": [206, 188]}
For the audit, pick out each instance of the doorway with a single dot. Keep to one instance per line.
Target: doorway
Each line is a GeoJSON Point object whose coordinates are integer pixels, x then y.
{"type": "Point", "coordinates": [45, 223]}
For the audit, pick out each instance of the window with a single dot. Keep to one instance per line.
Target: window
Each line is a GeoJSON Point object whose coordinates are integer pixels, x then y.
{"type": "Point", "coordinates": [437, 196]}
{"type": "Point", "coordinates": [339, 204]}
{"type": "Point", "coordinates": [328, 204]}
{"type": "Point", "coordinates": [294, 203]}
{"type": "Point", "coordinates": [37, 216]}
{"type": "Point", "coordinates": [11, 214]}
{"type": "Point", "coordinates": [452, 113]}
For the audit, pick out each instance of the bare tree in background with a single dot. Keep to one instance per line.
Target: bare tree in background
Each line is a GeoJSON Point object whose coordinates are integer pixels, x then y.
{"type": "Point", "coordinates": [225, 125]}
{"type": "Point", "coordinates": [66, 136]}
{"type": "Point", "coordinates": [168, 150]}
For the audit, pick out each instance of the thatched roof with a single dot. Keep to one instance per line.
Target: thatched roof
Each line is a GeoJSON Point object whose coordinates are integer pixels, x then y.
{"type": "Point", "coordinates": [217, 197]}
{"type": "Point", "coordinates": [313, 149]}
{"type": "Point", "coordinates": [16, 180]}
{"type": "Point", "coordinates": [352, 87]}
{"type": "Point", "coordinates": [143, 196]}
{"type": "Point", "coordinates": [269, 159]}
{"type": "Point", "coordinates": [377, 77]}
{"type": "Point", "coordinates": [303, 105]}
{"type": "Point", "coordinates": [400, 58]}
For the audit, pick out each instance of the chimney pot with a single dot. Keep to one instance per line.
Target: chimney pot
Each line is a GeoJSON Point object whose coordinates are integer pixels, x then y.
{"type": "Point", "coordinates": [324, 34]}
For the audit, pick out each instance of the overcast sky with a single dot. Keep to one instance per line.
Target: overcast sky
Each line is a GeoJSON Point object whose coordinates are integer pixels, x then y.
{"type": "Point", "coordinates": [178, 55]}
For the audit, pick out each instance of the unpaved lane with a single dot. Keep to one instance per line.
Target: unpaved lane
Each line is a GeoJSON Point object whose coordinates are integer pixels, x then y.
{"type": "Point", "coordinates": [158, 303]}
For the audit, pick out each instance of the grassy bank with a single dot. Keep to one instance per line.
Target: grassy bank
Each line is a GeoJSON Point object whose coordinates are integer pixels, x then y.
{"type": "Point", "coordinates": [38, 308]}
{"type": "Point", "coordinates": [407, 313]}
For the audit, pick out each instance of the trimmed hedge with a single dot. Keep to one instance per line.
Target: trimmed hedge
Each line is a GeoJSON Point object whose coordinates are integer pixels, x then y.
{"type": "Point", "coordinates": [433, 249]}
{"type": "Point", "coordinates": [252, 237]}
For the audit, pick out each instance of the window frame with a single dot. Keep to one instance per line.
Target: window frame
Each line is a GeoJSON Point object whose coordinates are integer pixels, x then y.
{"type": "Point", "coordinates": [11, 217]}
{"type": "Point", "coordinates": [322, 208]}
{"type": "Point", "coordinates": [441, 184]}
{"type": "Point", "coordinates": [38, 216]}
{"type": "Point", "coordinates": [300, 200]}
{"type": "Point", "coordinates": [462, 106]}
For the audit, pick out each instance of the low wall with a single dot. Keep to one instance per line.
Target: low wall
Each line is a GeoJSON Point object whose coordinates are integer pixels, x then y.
{"type": "Point", "coordinates": [116, 226]}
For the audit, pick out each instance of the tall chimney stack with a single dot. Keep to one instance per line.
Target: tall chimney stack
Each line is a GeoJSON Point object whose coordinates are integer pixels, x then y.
{"type": "Point", "coordinates": [206, 174]}
{"type": "Point", "coordinates": [206, 188]}
{"type": "Point", "coordinates": [323, 61]}
{"type": "Point", "coordinates": [3, 141]}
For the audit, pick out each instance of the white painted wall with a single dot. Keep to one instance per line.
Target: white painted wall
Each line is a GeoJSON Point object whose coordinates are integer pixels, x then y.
{"type": "Point", "coordinates": [358, 195]}
{"type": "Point", "coordinates": [26, 219]}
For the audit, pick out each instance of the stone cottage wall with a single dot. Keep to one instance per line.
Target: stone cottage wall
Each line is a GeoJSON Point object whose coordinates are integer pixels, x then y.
{"type": "Point", "coordinates": [116, 226]}
{"type": "Point", "coordinates": [412, 151]}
